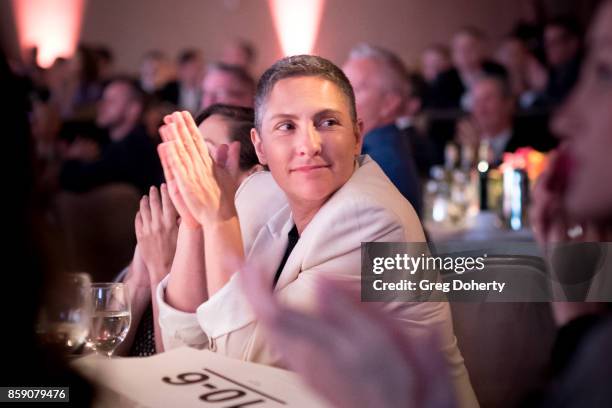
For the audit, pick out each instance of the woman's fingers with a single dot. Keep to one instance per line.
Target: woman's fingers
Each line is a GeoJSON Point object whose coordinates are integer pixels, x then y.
{"type": "Point", "coordinates": [186, 139]}
{"type": "Point", "coordinates": [168, 210]}
{"type": "Point", "coordinates": [155, 206]}
{"type": "Point", "coordinates": [163, 151]}
{"type": "Point", "coordinates": [182, 153]}
{"type": "Point", "coordinates": [163, 133]}
{"type": "Point", "coordinates": [138, 224]}
{"type": "Point", "coordinates": [145, 213]}
{"type": "Point", "coordinates": [221, 156]}
{"type": "Point", "coordinates": [197, 139]}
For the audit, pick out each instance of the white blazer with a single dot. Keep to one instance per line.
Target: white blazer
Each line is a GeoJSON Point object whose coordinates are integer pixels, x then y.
{"type": "Point", "coordinates": [367, 208]}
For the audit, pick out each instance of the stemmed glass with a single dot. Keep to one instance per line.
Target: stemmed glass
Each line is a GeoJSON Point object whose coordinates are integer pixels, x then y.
{"type": "Point", "coordinates": [111, 317]}
{"type": "Point", "coordinates": [65, 315]}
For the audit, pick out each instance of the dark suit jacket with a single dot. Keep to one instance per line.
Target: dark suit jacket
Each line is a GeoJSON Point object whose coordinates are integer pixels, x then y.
{"type": "Point", "coordinates": [423, 150]}
{"type": "Point", "coordinates": [531, 131]}
{"type": "Point", "coordinates": [388, 147]}
{"type": "Point", "coordinates": [446, 91]}
{"type": "Point", "coordinates": [170, 93]}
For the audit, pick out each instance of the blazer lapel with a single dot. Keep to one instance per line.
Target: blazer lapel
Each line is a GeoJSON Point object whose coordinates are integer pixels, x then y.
{"type": "Point", "coordinates": [294, 263]}
{"type": "Point", "coordinates": [270, 244]}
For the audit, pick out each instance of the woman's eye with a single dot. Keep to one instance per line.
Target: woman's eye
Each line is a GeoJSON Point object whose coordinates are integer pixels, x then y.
{"type": "Point", "coordinates": [285, 126]}
{"type": "Point", "coordinates": [329, 122]}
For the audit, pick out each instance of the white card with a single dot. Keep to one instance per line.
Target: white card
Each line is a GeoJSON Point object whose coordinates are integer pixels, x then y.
{"type": "Point", "coordinates": [186, 377]}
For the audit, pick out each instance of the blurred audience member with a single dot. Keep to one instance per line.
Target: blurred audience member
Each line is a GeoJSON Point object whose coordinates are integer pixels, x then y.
{"type": "Point", "coordinates": [153, 116]}
{"type": "Point", "coordinates": [239, 52]}
{"type": "Point", "coordinates": [422, 148]}
{"type": "Point", "coordinates": [106, 61]}
{"type": "Point", "coordinates": [379, 80]}
{"type": "Point", "coordinates": [157, 228]}
{"type": "Point", "coordinates": [227, 84]}
{"type": "Point", "coordinates": [155, 71]}
{"type": "Point", "coordinates": [77, 86]}
{"type": "Point", "coordinates": [185, 92]}
{"type": "Point", "coordinates": [527, 76]}
{"type": "Point", "coordinates": [563, 46]}
{"type": "Point", "coordinates": [130, 157]}
{"type": "Point", "coordinates": [470, 60]}
{"type": "Point", "coordinates": [435, 60]}
{"type": "Point", "coordinates": [225, 124]}
{"type": "Point", "coordinates": [492, 121]}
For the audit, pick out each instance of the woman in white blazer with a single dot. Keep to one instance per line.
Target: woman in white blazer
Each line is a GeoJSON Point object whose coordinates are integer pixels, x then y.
{"type": "Point", "coordinates": [319, 187]}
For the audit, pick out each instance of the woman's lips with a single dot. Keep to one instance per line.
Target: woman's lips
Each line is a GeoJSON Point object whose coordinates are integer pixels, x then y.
{"type": "Point", "coordinates": [309, 168]}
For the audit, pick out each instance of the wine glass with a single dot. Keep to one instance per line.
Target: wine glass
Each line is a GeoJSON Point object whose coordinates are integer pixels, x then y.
{"type": "Point", "coordinates": [111, 317]}
{"type": "Point", "coordinates": [63, 321]}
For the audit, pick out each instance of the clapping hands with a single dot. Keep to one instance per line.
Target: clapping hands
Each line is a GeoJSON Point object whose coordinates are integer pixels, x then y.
{"type": "Point", "coordinates": [202, 187]}
{"type": "Point", "coordinates": [156, 232]}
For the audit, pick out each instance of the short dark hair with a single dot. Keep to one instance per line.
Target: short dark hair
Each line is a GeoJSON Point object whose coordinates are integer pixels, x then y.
{"type": "Point", "coordinates": [135, 91]}
{"type": "Point", "coordinates": [241, 121]}
{"type": "Point", "coordinates": [502, 83]}
{"type": "Point", "coordinates": [239, 73]}
{"type": "Point", "coordinates": [301, 66]}
{"type": "Point", "coordinates": [568, 24]}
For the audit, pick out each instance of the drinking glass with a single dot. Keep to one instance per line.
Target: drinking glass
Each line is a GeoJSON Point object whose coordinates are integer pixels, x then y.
{"type": "Point", "coordinates": [64, 318]}
{"type": "Point", "coordinates": [111, 317]}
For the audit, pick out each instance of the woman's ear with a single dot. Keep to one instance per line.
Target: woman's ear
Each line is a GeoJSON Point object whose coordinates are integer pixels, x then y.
{"type": "Point", "coordinates": [258, 144]}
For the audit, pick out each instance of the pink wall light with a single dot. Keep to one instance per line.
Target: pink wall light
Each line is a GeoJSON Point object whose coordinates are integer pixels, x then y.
{"type": "Point", "coordinates": [51, 25]}
{"type": "Point", "coordinates": [297, 24]}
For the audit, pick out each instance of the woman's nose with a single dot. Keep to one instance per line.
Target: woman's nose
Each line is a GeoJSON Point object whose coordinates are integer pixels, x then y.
{"type": "Point", "coordinates": [310, 142]}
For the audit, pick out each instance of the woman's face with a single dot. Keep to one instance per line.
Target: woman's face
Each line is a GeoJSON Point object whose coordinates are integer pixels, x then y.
{"type": "Point", "coordinates": [215, 131]}
{"type": "Point", "coordinates": [585, 125]}
{"type": "Point", "coordinates": [307, 138]}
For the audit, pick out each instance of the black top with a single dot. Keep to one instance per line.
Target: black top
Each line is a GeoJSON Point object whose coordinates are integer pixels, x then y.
{"type": "Point", "coordinates": [293, 238]}
{"type": "Point", "coordinates": [144, 340]}
{"type": "Point", "coordinates": [133, 160]}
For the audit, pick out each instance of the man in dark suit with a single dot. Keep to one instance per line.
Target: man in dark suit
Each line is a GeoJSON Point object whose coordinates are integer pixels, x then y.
{"type": "Point", "coordinates": [451, 88]}
{"type": "Point", "coordinates": [423, 149]}
{"type": "Point", "coordinates": [379, 81]}
{"type": "Point", "coordinates": [185, 92]}
{"type": "Point", "coordinates": [563, 46]}
{"type": "Point", "coordinates": [131, 155]}
{"type": "Point", "coordinates": [492, 120]}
